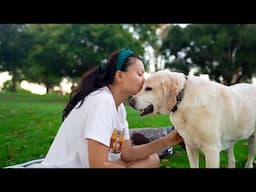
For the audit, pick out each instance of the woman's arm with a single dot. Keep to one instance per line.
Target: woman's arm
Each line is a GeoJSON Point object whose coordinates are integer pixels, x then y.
{"type": "Point", "coordinates": [137, 152]}
{"type": "Point", "coordinates": [98, 156]}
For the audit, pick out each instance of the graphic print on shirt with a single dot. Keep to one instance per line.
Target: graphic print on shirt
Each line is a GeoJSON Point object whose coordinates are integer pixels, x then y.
{"type": "Point", "coordinates": [116, 141]}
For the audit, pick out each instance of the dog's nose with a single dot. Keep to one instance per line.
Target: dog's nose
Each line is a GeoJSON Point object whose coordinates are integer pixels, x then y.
{"type": "Point", "coordinates": [131, 101]}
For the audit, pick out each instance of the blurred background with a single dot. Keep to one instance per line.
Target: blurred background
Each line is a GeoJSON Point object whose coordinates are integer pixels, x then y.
{"type": "Point", "coordinates": [46, 58]}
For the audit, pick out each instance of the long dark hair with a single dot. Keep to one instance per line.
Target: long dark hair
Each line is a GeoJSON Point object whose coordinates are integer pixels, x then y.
{"type": "Point", "coordinates": [96, 78]}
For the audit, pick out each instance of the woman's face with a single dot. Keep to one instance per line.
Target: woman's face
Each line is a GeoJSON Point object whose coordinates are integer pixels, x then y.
{"type": "Point", "coordinates": [134, 77]}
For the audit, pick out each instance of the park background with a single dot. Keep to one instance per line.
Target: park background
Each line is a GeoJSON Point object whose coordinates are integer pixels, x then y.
{"type": "Point", "coordinates": [40, 63]}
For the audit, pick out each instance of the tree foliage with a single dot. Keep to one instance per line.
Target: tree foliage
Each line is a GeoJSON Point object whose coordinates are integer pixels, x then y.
{"type": "Point", "coordinates": [47, 52]}
{"type": "Point", "coordinates": [14, 46]}
{"type": "Point", "coordinates": [224, 51]}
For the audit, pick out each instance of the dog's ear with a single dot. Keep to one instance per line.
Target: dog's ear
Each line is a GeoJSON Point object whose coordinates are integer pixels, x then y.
{"type": "Point", "coordinates": [170, 89]}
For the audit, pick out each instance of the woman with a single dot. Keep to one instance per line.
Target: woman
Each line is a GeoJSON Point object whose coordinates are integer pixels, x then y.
{"type": "Point", "coordinates": [94, 132]}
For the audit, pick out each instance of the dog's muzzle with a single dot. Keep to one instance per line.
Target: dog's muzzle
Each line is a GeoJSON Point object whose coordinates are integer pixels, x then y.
{"type": "Point", "coordinates": [149, 109]}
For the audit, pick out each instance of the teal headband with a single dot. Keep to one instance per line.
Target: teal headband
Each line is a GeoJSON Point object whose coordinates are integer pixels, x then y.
{"type": "Point", "coordinates": [122, 56]}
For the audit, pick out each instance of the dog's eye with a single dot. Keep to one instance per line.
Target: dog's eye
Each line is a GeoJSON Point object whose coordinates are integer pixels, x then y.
{"type": "Point", "coordinates": [148, 88]}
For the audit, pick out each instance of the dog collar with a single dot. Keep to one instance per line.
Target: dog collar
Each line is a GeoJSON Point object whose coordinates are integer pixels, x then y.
{"type": "Point", "coordinates": [179, 96]}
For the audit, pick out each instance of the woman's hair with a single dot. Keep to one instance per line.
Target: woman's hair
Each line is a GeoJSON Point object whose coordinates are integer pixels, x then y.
{"type": "Point", "coordinates": [99, 76]}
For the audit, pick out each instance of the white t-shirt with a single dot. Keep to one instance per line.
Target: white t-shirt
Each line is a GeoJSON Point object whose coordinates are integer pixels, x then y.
{"type": "Point", "coordinates": [97, 119]}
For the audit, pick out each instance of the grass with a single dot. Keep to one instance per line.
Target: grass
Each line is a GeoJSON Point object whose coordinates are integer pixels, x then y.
{"type": "Point", "coordinates": [136, 121]}
{"type": "Point", "coordinates": [29, 123]}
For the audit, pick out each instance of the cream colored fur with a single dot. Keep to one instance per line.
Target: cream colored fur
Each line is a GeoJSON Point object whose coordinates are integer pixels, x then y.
{"type": "Point", "coordinates": [211, 117]}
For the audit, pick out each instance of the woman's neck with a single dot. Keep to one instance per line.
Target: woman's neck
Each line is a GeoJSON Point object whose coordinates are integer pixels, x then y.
{"type": "Point", "coordinates": [118, 96]}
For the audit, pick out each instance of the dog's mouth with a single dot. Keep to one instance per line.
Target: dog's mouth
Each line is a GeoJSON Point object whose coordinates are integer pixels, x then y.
{"type": "Point", "coordinates": [149, 109]}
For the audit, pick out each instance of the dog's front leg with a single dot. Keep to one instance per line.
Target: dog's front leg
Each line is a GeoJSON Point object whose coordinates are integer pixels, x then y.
{"type": "Point", "coordinates": [193, 156]}
{"type": "Point", "coordinates": [252, 151]}
{"type": "Point", "coordinates": [212, 157]}
{"type": "Point", "coordinates": [231, 157]}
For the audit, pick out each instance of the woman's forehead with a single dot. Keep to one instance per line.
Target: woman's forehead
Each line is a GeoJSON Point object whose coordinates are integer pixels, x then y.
{"type": "Point", "coordinates": [137, 64]}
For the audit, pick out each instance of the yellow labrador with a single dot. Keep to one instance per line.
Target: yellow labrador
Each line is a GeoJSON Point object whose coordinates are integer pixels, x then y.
{"type": "Point", "coordinates": [209, 116]}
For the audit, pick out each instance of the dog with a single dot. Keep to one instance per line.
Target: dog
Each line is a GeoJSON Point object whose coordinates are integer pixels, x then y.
{"type": "Point", "coordinates": [211, 117]}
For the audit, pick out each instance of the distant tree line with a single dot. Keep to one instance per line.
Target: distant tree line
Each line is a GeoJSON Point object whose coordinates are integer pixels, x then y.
{"type": "Point", "coordinates": [45, 53]}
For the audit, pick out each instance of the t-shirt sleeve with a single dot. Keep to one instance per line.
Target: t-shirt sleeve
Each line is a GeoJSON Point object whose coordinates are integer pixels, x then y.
{"type": "Point", "coordinates": [98, 120]}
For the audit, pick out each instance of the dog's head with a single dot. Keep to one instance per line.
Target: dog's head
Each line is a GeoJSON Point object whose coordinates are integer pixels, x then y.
{"type": "Point", "coordinates": [158, 94]}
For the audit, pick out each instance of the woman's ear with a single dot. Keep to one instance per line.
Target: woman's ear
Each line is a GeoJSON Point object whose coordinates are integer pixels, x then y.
{"type": "Point", "coordinates": [118, 76]}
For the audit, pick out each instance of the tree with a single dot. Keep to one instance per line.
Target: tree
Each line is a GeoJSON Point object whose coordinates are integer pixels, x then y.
{"type": "Point", "coordinates": [71, 49]}
{"type": "Point", "coordinates": [46, 61]}
{"type": "Point", "coordinates": [224, 51]}
{"type": "Point", "coordinates": [150, 36]}
{"type": "Point", "coordinates": [14, 45]}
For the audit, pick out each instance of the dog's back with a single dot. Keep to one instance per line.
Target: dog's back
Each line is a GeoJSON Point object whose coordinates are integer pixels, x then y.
{"type": "Point", "coordinates": [240, 112]}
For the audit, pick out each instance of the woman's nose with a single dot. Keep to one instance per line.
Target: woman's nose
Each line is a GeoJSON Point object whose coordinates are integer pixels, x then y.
{"type": "Point", "coordinates": [143, 80]}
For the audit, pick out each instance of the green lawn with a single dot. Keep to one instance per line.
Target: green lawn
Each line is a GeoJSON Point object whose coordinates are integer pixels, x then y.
{"type": "Point", "coordinates": [29, 123]}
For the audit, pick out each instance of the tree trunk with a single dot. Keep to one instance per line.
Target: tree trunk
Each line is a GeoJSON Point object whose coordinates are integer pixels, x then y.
{"type": "Point", "coordinates": [236, 76]}
{"type": "Point", "coordinates": [14, 79]}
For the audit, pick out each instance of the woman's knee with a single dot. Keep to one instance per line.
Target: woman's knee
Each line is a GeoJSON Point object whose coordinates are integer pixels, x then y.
{"type": "Point", "coordinates": [151, 161]}
{"type": "Point", "coordinates": [154, 161]}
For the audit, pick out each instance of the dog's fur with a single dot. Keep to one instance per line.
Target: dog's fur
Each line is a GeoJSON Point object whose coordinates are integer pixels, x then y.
{"type": "Point", "coordinates": [210, 117]}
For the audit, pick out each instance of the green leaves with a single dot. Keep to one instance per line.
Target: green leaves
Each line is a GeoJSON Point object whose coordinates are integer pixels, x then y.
{"type": "Point", "coordinates": [224, 51]}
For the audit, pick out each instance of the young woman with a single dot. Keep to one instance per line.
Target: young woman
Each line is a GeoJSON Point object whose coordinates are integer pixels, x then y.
{"type": "Point", "coordinates": [94, 132]}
